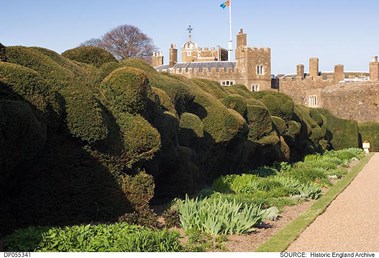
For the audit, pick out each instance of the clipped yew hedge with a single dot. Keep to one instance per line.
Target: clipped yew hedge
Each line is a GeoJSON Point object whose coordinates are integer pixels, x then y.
{"type": "Point", "coordinates": [370, 133]}
{"type": "Point", "coordinates": [85, 117]}
{"type": "Point", "coordinates": [278, 104]}
{"type": "Point", "coordinates": [19, 81]}
{"type": "Point", "coordinates": [126, 89]}
{"type": "Point", "coordinates": [191, 129]}
{"type": "Point", "coordinates": [237, 103]}
{"type": "Point", "coordinates": [89, 55]}
{"type": "Point", "coordinates": [57, 77]}
{"type": "Point", "coordinates": [343, 134]}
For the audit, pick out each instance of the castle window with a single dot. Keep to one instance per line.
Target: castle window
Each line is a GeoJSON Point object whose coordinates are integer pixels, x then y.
{"type": "Point", "coordinates": [260, 70]}
{"type": "Point", "coordinates": [189, 53]}
{"type": "Point", "coordinates": [313, 101]}
{"type": "Point", "coordinates": [255, 87]}
{"type": "Point", "coordinates": [227, 83]}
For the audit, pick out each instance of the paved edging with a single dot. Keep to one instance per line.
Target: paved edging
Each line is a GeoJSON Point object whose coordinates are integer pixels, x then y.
{"type": "Point", "coordinates": [281, 241]}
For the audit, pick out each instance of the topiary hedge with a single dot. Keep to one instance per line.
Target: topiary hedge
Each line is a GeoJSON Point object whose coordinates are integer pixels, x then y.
{"type": "Point", "coordinates": [22, 138]}
{"type": "Point", "coordinates": [126, 89]}
{"type": "Point", "coordinates": [57, 77]}
{"type": "Point", "coordinates": [278, 104]}
{"type": "Point", "coordinates": [259, 122]}
{"type": "Point", "coordinates": [19, 81]}
{"type": "Point", "coordinates": [370, 133]}
{"type": "Point", "coordinates": [280, 125]}
{"type": "Point", "coordinates": [343, 133]}
{"type": "Point", "coordinates": [141, 141]}
{"type": "Point", "coordinates": [191, 129]}
{"type": "Point", "coordinates": [89, 55]}
{"type": "Point", "coordinates": [239, 89]}
{"type": "Point", "coordinates": [85, 117]}
{"type": "Point", "coordinates": [237, 103]}
{"type": "Point", "coordinates": [212, 87]}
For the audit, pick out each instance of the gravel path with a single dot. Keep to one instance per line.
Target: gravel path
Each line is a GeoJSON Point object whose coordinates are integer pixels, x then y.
{"type": "Point", "coordinates": [351, 222]}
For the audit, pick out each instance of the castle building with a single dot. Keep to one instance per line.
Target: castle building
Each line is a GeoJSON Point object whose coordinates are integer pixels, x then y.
{"type": "Point", "coordinates": [350, 95]}
{"type": "Point", "coordinates": [252, 67]}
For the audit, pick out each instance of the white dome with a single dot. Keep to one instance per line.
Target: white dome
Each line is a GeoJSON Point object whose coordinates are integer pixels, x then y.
{"type": "Point", "coordinates": [190, 45]}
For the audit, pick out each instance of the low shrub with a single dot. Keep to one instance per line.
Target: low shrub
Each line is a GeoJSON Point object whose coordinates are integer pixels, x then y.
{"type": "Point", "coordinates": [89, 55]}
{"type": "Point", "coordinates": [138, 189]}
{"type": "Point", "coordinates": [119, 237]}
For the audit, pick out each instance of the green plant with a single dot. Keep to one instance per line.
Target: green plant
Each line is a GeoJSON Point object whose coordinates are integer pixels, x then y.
{"type": "Point", "coordinates": [310, 191]}
{"type": "Point", "coordinates": [119, 237]}
{"type": "Point", "coordinates": [218, 216]}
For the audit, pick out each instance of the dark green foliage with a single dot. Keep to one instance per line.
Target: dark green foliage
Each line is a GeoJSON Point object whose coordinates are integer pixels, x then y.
{"type": "Point", "coordinates": [2, 53]}
{"type": "Point", "coordinates": [141, 141]}
{"type": "Point", "coordinates": [343, 133]}
{"type": "Point", "coordinates": [126, 89]}
{"type": "Point", "coordinates": [139, 189]}
{"type": "Point", "coordinates": [85, 117]}
{"type": "Point", "coordinates": [164, 100]}
{"type": "Point", "coordinates": [119, 237]}
{"type": "Point", "coordinates": [212, 87]}
{"type": "Point", "coordinates": [370, 133]}
{"type": "Point", "coordinates": [22, 138]}
{"type": "Point", "coordinates": [56, 76]}
{"type": "Point", "coordinates": [259, 122]}
{"type": "Point", "coordinates": [77, 69]}
{"type": "Point", "coordinates": [105, 70]}
{"type": "Point", "coordinates": [89, 55]}
{"type": "Point", "coordinates": [280, 125]}
{"type": "Point", "coordinates": [191, 129]}
{"type": "Point", "coordinates": [239, 89]}
{"type": "Point", "coordinates": [19, 81]}
{"type": "Point", "coordinates": [237, 103]}
{"type": "Point", "coordinates": [171, 218]}
{"type": "Point", "coordinates": [278, 104]}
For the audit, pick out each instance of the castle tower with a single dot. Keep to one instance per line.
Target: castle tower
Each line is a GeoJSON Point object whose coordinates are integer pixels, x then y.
{"type": "Point", "coordinates": [374, 69]}
{"type": "Point", "coordinates": [300, 71]}
{"type": "Point", "coordinates": [157, 59]}
{"type": "Point", "coordinates": [241, 39]}
{"type": "Point", "coordinates": [173, 55]}
{"type": "Point", "coordinates": [313, 67]}
{"type": "Point", "coordinates": [253, 64]}
{"type": "Point", "coordinates": [339, 73]}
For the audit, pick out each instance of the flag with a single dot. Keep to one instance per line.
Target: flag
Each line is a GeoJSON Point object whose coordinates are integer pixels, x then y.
{"type": "Point", "coordinates": [226, 4]}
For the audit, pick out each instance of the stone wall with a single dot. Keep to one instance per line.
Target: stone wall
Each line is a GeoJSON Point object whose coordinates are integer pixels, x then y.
{"type": "Point", "coordinates": [300, 89]}
{"type": "Point", "coordinates": [358, 101]}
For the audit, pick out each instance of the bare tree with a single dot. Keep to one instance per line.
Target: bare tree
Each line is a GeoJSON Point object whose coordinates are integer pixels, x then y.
{"type": "Point", "coordinates": [125, 41]}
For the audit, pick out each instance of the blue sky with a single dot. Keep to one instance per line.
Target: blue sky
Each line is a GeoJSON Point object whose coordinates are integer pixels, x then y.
{"type": "Point", "coordinates": [338, 32]}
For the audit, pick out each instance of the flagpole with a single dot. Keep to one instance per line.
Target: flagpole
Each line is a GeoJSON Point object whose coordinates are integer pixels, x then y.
{"type": "Point", "coordinates": [230, 50]}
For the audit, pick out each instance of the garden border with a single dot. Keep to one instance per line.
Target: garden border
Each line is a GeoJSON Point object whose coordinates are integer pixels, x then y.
{"type": "Point", "coordinates": [281, 241]}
